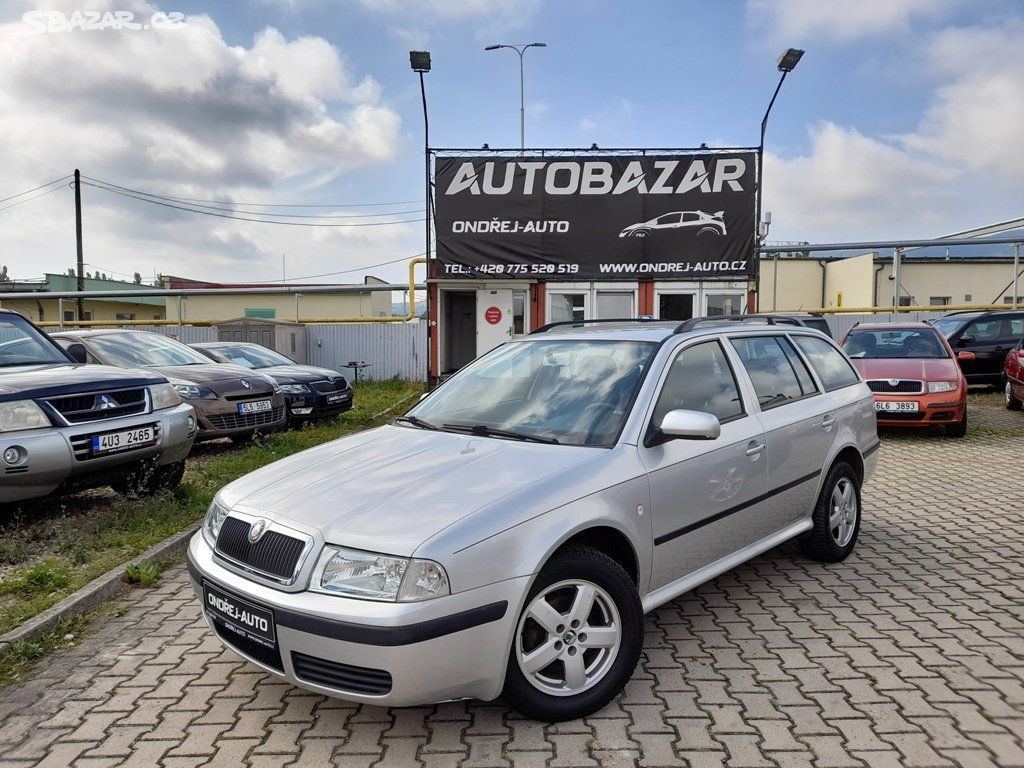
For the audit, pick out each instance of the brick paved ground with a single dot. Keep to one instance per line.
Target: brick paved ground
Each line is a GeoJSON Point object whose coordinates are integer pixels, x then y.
{"type": "Point", "coordinates": [911, 653]}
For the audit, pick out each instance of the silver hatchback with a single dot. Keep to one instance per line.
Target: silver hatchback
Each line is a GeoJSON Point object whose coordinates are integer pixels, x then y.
{"type": "Point", "coordinates": [507, 535]}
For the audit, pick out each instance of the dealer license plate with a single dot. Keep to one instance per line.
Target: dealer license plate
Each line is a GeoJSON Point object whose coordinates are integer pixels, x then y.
{"type": "Point", "coordinates": [123, 441]}
{"type": "Point", "coordinates": [336, 398]}
{"type": "Point", "coordinates": [899, 406]}
{"type": "Point", "coordinates": [240, 616]}
{"type": "Point", "coordinates": [256, 406]}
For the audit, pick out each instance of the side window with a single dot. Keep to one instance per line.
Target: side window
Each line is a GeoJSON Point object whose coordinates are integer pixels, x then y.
{"type": "Point", "coordinates": [700, 379]}
{"type": "Point", "coordinates": [1016, 327]}
{"type": "Point", "coordinates": [775, 381]}
{"type": "Point", "coordinates": [807, 385]}
{"type": "Point", "coordinates": [984, 330]}
{"type": "Point", "coordinates": [832, 367]}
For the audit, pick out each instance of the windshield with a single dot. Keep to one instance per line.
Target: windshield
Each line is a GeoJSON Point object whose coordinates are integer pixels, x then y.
{"type": "Point", "coordinates": [575, 392]}
{"type": "Point", "coordinates": [950, 325]}
{"type": "Point", "coordinates": [141, 349]}
{"type": "Point", "coordinates": [899, 342]}
{"type": "Point", "coordinates": [248, 355]}
{"type": "Point", "coordinates": [22, 344]}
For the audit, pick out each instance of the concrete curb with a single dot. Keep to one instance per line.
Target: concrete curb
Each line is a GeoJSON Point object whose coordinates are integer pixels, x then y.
{"type": "Point", "coordinates": [99, 590]}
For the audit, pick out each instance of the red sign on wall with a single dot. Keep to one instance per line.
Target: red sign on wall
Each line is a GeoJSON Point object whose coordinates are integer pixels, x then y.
{"type": "Point", "coordinates": [492, 315]}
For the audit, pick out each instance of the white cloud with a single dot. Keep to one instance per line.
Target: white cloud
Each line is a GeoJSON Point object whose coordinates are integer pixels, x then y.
{"type": "Point", "coordinates": [798, 20]}
{"type": "Point", "coordinates": [182, 112]}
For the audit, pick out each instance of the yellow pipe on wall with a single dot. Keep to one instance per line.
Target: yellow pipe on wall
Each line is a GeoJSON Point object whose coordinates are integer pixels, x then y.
{"type": "Point", "coordinates": [411, 315]}
{"type": "Point", "coordinates": [876, 310]}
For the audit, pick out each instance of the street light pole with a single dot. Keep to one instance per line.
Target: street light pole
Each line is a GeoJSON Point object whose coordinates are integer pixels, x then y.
{"type": "Point", "coordinates": [786, 64]}
{"type": "Point", "coordinates": [521, 50]}
{"type": "Point", "coordinates": [420, 63]}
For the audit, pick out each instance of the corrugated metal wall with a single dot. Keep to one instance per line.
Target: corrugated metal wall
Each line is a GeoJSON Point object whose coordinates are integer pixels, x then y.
{"type": "Point", "coordinates": [840, 324]}
{"type": "Point", "coordinates": [395, 350]}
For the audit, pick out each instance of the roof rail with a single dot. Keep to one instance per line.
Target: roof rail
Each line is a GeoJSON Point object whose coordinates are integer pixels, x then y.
{"type": "Point", "coordinates": [693, 322]}
{"type": "Point", "coordinates": [581, 323]}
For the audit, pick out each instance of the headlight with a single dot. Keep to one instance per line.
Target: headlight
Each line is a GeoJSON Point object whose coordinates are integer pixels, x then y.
{"type": "Point", "coordinates": [372, 576]}
{"type": "Point", "coordinates": [192, 391]}
{"type": "Point", "coordinates": [294, 389]}
{"type": "Point", "coordinates": [940, 386]}
{"type": "Point", "coordinates": [164, 396]}
{"type": "Point", "coordinates": [21, 414]}
{"type": "Point", "coordinates": [214, 520]}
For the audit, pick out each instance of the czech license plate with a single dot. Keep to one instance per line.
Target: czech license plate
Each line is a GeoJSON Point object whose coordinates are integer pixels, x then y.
{"type": "Point", "coordinates": [123, 441]}
{"type": "Point", "coordinates": [898, 406]}
{"type": "Point", "coordinates": [256, 406]}
{"type": "Point", "coordinates": [240, 616]}
{"type": "Point", "coordinates": [336, 398]}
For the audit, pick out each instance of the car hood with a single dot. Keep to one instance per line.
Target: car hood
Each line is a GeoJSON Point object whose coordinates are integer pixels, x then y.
{"type": "Point", "coordinates": [298, 374]}
{"type": "Point", "coordinates": [392, 488]}
{"type": "Point", "coordinates": [48, 380]}
{"type": "Point", "coordinates": [925, 369]}
{"type": "Point", "coordinates": [208, 374]}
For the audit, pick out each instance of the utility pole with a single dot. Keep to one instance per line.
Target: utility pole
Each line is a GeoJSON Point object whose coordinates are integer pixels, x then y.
{"type": "Point", "coordinates": [80, 282]}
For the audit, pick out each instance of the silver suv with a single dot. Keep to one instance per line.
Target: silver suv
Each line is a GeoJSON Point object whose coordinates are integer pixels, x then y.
{"type": "Point", "coordinates": [508, 534]}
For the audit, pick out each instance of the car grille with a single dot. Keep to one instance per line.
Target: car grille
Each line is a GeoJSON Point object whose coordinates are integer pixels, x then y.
{"type": "Point", "coordinates": [338, 385]}
{"type": "Point", "coordinates": [905, 386]}
{"type": "Point", "coordinates": [343, 677]}
{"type": "Point", "coordinates": [81, 445]}
{"type": "Point", "coordinates": [253, 395]}
{"type": "Point", "coordinates": [243, 420]}
{"type": "Point", "coordinates": [274, 553]}
{"type": "Point", "coordinates": [111, 404]}
{"type": "Point", "coordinates": [268, 657]}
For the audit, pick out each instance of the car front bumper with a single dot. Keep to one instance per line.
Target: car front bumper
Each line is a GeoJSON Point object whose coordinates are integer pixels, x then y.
{"type": "Point", "coordinates": [932, 410]}
{"type": "Point", "coordinates": [53, 457]}
{"type": "Point", "coordinates": [220, 418]}
{"type": "Point", "coordinates": [319, 405]}
{"type": "Point", "coordinates": [452, 647]}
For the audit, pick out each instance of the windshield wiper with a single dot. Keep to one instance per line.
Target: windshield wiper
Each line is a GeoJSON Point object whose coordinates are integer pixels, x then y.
{"type": "Point", "coordinates": [416, 421]}
{"type": "Point", "coordinates": [482, 430]}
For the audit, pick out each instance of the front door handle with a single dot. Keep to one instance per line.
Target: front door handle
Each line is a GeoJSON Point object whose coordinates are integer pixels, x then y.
{"type": "Point", "coordinates": [828, 421]}
{"type": "Point", "coordinates": [754, 448]}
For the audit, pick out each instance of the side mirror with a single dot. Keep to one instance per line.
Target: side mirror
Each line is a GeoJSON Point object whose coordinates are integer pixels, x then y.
{"type": "Point", "coordinates": [965, 340]}
{"type": "Point", "coordinates": [963, 354]}
{"type": "Point", "coordinates": [1020, 353]}
{"type": "Point", "coordinates": [686, 425]}
{"type": "Point", "coordinates": [423, 396]}
{"type": "Point", "coordinates": [77, 352]}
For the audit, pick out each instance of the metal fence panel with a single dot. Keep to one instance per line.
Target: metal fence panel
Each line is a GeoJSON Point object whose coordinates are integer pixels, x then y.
{"type": "Point", "coordinates": [840, 324]}
{"type": "Point", "coordinates": [393, 350]}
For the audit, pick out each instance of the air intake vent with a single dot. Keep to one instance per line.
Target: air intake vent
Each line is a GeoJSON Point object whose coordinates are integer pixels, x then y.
{"type": "Point", "coordinates": [111, 404]}
{"type": "Point", "coordinates": [342, 677]}
{"type": "Point", "coordinates": [274, 554]}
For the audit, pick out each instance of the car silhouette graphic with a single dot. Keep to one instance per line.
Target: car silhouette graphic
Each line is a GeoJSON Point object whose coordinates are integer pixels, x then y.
{"type": "Point", "coordinates": [705, 222]}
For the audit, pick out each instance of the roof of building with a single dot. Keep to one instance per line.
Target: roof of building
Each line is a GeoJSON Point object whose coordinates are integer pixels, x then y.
{"type": "Point", "coordinates": [62, 283]}
{"type": "Point", "coordinates": [176, 282]}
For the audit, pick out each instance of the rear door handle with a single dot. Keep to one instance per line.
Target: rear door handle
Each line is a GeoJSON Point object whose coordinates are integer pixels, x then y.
{"type": "Point", "coordinates": [828, 421]}
{"type": "Point", "coordinates": [754, 448]}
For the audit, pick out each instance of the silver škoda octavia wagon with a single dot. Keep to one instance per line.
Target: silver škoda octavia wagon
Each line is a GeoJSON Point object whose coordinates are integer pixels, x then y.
{"type": "Point", "coordinates": [507, 535]}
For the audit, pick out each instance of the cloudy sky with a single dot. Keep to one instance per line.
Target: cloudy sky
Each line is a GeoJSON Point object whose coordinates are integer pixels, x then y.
{"type": "Point", "coordinates": [904, 119]}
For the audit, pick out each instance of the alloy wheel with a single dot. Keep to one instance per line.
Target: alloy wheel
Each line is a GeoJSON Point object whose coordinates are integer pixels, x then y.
{"type": "Point", "coordinates": [842, 520]}
{"type": "Point", "coordinates": [568, 638]}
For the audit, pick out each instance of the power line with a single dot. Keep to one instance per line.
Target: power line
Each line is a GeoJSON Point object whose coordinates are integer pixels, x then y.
{"type": "Point", "coordinates": [347, 271]}
{"type": "Point", "coordinates": [34, 197]}
{"type": "Point", "coordinates": [254, 213]}
{"type": "Point", "coordinates": [41, 186]}
{"type": "Point", "coordinates": [243, 218]}
{"type": "Point", "coordinates": [256, 205]}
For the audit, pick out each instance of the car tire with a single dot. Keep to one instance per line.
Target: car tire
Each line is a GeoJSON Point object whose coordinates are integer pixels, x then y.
{"type": "Point", "coordinates": [959, 429]}
{"type": "Point", "coordinates": [836, 517]}
{"type": "Point", "coordinates": [573, 578]}
{"type": "Point", "coordinates": [1013, 403]}
{"type": "Point", "coordinates": [148, 480]}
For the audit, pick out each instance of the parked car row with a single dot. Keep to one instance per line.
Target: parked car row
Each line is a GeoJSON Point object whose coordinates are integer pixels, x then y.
{"type": "Point", "coordinates": [83, 409]}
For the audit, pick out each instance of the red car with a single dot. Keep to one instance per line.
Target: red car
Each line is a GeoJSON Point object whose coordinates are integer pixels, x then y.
{"type": "Point", "coordinates": [1013, 377]}
{"type": "Point", "coordinates": [914, 374]}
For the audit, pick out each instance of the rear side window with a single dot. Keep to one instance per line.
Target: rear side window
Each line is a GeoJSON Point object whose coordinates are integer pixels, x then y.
{"type": "Point", "coordinates": [832, 368]}
{"type": "Point", "coordinates": [771, 370]}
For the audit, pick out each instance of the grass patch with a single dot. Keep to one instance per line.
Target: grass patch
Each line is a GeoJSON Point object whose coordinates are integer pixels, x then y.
{"type": "Point", "coordinates": [53, 547]}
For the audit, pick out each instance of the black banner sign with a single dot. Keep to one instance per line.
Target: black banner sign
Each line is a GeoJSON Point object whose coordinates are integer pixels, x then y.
{"type": "Point", "coordinates": [684, 217]}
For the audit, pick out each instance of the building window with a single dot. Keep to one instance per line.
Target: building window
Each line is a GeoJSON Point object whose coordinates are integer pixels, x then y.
{"type": "Point", "coordinates": [968, 297]}
{"type": "Point", "coordinates": [675, 306]}
{"type": "Point", "coordinates": [125, 315]}
{"type": "Point", "coordinates": [264, 313]}
{"type": "Point", "coordinates": [69, 315]}
{"type": "Point", "coordinates": [940, 301]}
{"type": "Point", "coordinates": [614, 304]}
{"type": "Point", "coordinates": [1009, 300]}
{"type": "Point", "coordinates": [725, 303]}
{"type": "Point", "coordinates": [568, 307]}
{"type": "Point", "coordinates": [907, 301]}
{"type": "Point", "coordinates": [518, 312]}
{"type": "Point", "coordinates": [87, 314]}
